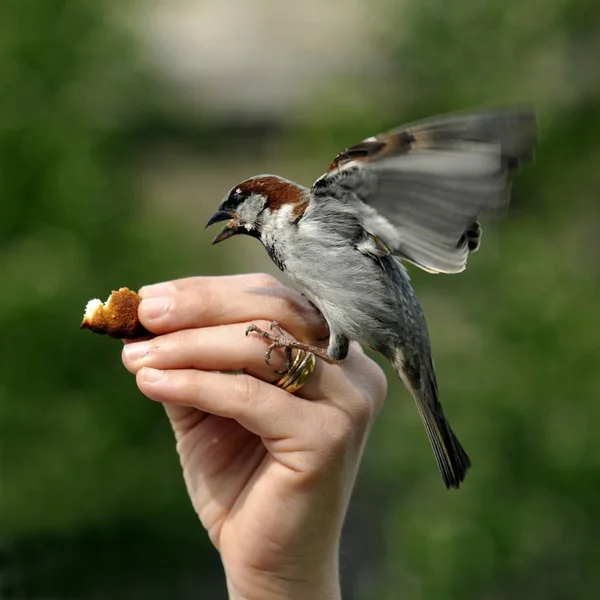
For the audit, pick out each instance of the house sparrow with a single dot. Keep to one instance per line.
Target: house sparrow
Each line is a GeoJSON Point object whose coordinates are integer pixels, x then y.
{"type": "Point", "coordinates": [412, 194]}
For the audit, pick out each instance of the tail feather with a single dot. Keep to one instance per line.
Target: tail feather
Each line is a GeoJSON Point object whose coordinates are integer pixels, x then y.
{"type": "Point", "coordinates": [451, 457]}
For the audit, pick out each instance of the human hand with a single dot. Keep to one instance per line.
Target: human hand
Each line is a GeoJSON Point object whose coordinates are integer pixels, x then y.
{"type": "Point", "coordinates": [269, 473]}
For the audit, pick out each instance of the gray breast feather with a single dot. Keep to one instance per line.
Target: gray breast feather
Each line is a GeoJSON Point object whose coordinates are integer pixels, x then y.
{"type": "Point", "coordinates": [365, 298]}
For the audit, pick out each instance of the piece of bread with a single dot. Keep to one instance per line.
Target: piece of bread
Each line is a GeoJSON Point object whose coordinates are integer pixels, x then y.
{"type": "Point", "coordinates": [117, 317]}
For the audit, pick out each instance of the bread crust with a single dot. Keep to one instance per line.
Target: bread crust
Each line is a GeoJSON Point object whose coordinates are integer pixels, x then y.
{"type": "Point", "coordinates": [117, 317]}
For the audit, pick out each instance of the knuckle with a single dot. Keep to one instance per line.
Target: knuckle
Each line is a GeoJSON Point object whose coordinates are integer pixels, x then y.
{"type": "Point", "coordinates": [349, 430]}
{"type": "Point", "coordinates": [264, 280]}
{"type": "Point", "coordinates": [350, 423]}
{"type": "Point", "coordinates": [341, 435]}
{"type": "Point", "coordinates": [364, 412]}
{"type": "Point", "coordinates": [202, 301]}
{"type": "Point", "coordinates": [246, 386]}
{"type": "Point", "coordinates": [155, 350]}
{"type": "Point", "coordinates": [368, 379]}
{"type": "Point", "coordinates": [355, 347]}
{"type": "Point", "coordinates": [380, 388]}
{"type": "Point", "coordinates": [177, 286]}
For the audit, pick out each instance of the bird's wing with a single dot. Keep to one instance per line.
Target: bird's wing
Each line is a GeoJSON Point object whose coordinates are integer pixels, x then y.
{"type": "Point", "coordinates": [426, 185]}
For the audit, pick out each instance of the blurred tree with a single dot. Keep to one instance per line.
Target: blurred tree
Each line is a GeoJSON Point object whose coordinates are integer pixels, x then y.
{"type": "Point", "coordinates": [515, 338]}
{"type": "Point", "coordinates": [81, 508]}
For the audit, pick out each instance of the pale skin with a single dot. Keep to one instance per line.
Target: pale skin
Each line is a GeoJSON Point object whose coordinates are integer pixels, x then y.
{"type": "Point", "coordinates": [269, 474]}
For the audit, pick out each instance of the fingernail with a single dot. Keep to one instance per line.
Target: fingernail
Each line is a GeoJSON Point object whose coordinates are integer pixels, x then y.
{"type": "Point", "coordinates": [136, 350]}
{"type": "Point", "coordinates": [158, 289]}
{"type": "Point", "coordinates": [150, 375]}
{"type": "Point", "coordinates": [154, 308]}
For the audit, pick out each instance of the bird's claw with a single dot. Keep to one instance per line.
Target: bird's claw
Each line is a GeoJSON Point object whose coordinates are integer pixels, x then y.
{"type": "Point", "coordinates": [282, 340]}
{"type": "Point", "coordinates": [268, 353]}
{"type": "Point", "coordinates": [278, 340]}
{"type": "Point", "coordinates": [253, 328]}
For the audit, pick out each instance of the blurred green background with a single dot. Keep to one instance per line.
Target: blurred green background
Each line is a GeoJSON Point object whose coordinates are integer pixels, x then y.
{"type": "Point", "coordinates": [123, 124]}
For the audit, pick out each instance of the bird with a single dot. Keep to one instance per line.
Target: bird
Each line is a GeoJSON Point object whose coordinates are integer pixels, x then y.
{"type": "Point", "coordinates": [414, 194]}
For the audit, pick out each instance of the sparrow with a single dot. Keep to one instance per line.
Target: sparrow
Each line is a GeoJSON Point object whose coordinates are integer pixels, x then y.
{"type": "Point", "coordinates": [413, 194]}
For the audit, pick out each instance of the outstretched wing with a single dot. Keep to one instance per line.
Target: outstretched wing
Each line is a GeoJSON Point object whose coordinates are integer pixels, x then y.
{"type": "Point", "coordinates": [426, 185]}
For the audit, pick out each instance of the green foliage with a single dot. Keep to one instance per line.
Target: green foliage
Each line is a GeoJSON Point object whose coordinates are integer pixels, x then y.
{"type": "Point", "coordinates": [79, 449]}
{"type": "Point", "coordinates": [515, 338]}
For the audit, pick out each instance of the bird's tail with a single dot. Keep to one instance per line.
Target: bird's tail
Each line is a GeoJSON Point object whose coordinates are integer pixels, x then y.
{"type": "Point", "coordinates": [451, 457]}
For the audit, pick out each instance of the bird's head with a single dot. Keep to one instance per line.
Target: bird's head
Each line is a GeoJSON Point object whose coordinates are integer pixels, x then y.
{"type": "Point", "coordinates": [257, 204]}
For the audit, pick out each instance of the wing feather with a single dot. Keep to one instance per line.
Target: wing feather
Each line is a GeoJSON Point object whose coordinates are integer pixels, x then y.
{"type": "Point", "coordinates": [428, 184]}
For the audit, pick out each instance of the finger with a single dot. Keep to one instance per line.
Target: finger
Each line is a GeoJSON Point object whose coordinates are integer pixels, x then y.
{"type": "Point", "coordinates": [227, 348]}
{"type": "Point", "coordinates": [184, 418]}
{"type": "Point", "coordinates": [206, 302]}
{"type": "Point", "coordinates": [126, 341]}
{"type": "Point", "coordinates": [261, 408]}
{"type": "Point", "coordinates": [168, 288]}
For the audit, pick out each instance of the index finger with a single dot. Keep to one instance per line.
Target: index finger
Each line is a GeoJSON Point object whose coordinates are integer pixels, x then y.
{"type": "Point", "coordinates": [168, 288]}
{"type": "Point", "coordinates": [210, 301]}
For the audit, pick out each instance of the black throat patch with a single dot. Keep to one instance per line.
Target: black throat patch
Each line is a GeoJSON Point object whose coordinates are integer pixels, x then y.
{"type": "Point", "coordinates": [275, 257]}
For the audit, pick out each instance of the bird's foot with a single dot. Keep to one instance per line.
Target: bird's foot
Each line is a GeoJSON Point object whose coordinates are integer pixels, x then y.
{"type": "Point", "coordinates": [280, 339]}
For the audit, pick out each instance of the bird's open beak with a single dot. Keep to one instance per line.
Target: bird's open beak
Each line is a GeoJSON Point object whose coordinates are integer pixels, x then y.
{"type": "Point", "coordinates": [230, 229]}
